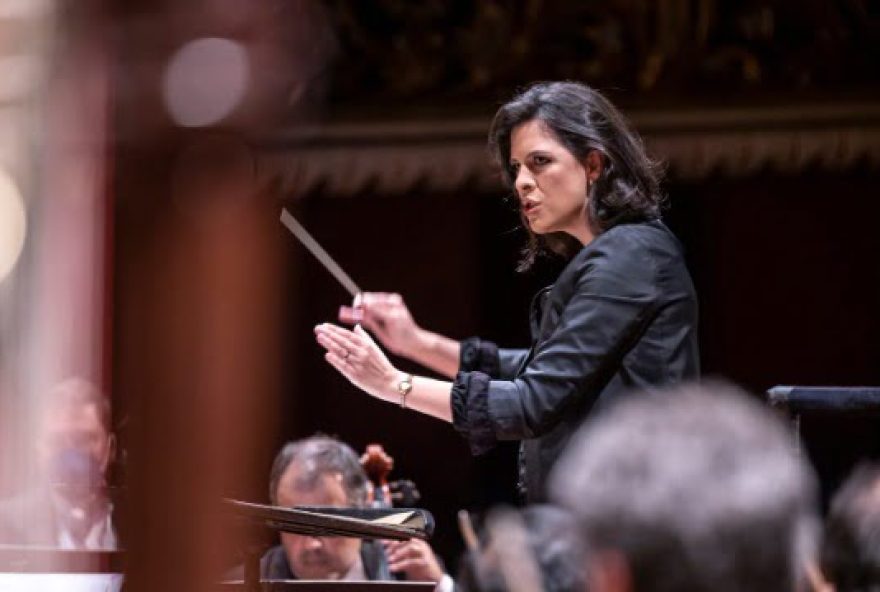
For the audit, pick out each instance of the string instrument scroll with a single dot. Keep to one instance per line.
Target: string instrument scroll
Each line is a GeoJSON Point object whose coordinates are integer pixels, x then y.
{"type": "Point", "coordinates": [377, 465]}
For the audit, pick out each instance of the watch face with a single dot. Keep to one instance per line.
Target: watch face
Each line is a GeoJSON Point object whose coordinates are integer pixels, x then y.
{"type": "Point", "coordinates": [404, 386]}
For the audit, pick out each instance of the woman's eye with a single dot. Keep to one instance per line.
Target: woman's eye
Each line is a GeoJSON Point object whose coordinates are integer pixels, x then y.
{"type": "Point", "coordinates": [540, 160]}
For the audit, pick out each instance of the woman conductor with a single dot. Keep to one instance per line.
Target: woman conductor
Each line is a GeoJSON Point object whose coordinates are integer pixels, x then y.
{"type": "Point", "coordinates": [621, 315]}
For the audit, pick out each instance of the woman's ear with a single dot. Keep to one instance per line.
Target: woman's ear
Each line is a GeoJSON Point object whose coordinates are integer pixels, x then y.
{"type": "Point", "coordinates": [593, 164]}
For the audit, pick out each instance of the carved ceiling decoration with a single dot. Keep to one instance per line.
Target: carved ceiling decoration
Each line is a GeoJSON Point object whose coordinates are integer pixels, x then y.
{"type": "Point", "coordinates": [407, 75]}
{"type": "Point", "coordinates": [394, 51]}
{"type": "Point", "coordinates": [451, 155]}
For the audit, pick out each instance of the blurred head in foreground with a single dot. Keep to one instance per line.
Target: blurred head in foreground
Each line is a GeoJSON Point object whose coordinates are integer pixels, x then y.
{"type": "Point", "coordinates": [69, 506]}
{"type": "Point", "coordinates": [850, 555]}
{"type": "Point", "coordinates": [75, 444]}
{"type": "Point", "coordinates": [694, 489]}
{"type": "Point", "coordinates": [318, 471]}
{"type": "Point", "coordinates": [535, 549]}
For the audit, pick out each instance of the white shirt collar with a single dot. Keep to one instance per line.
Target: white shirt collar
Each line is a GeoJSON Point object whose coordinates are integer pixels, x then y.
{"type": "Point", "coordinates": [100, 536]}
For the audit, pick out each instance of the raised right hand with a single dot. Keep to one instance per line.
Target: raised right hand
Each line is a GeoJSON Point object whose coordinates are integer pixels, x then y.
{"type": "Point", "coordinates": [387, 317]}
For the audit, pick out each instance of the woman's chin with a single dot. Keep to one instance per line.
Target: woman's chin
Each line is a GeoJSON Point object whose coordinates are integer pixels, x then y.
{"type": "Point", "coordinates": [536, 227]}
{"type": "Point", "coordinates": [542, 230]}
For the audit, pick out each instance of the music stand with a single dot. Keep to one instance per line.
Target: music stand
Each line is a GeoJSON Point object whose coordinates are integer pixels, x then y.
{"type": "Point", "coordinates": [330, 586]}
{"type": "Point", "coordinates": [826, 400]}
{"type": "Point", "coordinates": [834, 399]}
{"type": "Point", "coordinates": [25, 568]}
{"type": "Point", "coordinates": [36, 559]}
{"type": "Point", "coordinates": [836, 426]}
{"type": "Point", "coordinates": [330, 521]}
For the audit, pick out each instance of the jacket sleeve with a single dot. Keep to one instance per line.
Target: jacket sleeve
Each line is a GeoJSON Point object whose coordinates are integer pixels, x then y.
{"type": "Point", "coordinates": [509, 361]}
{"type": "Point", "coordinates": [484, 356]}
{"type": "Point", "coordinates": [614, 296]}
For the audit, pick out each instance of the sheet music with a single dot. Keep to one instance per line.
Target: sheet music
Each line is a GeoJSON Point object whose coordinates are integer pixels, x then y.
{"type": "Point", "coordinates": [400, 518]}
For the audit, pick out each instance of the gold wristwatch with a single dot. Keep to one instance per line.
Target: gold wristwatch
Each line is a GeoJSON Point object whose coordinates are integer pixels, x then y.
{"type": "Point", "coordinates": [404, 387]}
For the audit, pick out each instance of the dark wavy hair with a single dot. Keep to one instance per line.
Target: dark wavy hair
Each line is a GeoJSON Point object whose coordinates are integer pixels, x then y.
{"type": "Point", "coordinates": [627, 190]}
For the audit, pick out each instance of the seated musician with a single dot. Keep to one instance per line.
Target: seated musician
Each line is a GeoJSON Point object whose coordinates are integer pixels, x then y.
{"type": "Point", "coordinates": [322, 471]}
{"type": "Point", "coordinates": [70, 507]}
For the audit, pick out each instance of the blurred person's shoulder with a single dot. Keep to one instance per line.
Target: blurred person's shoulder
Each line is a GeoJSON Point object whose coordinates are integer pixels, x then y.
{"type": "Point", "coordinates": [27, 518]}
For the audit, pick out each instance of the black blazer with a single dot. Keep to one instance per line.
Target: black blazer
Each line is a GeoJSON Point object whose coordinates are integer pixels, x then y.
{"type": "Point", "coordinates": [622, 315]}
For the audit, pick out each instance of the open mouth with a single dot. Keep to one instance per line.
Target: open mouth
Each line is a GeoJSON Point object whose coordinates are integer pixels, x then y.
{"type": "Point", "coordinates": [530, 208]}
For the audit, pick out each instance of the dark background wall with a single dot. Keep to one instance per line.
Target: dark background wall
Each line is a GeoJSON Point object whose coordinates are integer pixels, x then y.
{"type": "Point", "coordinates": [785, 266]}
{"type": "Point", "coordinates": [784, 263]}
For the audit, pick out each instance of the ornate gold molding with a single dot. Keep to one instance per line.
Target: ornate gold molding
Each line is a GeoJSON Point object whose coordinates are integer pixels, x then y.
{"type": "Point", "coordinates": [450, 155]}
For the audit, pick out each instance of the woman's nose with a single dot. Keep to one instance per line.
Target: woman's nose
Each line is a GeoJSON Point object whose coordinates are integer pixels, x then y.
{"type": "Point", "coordinates": [524, 182]}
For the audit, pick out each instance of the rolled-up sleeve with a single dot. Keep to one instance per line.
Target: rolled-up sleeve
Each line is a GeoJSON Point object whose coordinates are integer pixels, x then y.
{"type": "Point", "coordinates": [470, 410]}
{"type": "Point", "coordinates": [479, 355]}
{"type": "Point", "coordinates": [480, 361]}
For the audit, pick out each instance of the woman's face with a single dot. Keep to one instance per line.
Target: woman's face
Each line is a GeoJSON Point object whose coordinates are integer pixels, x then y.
{"type": "Point", "coordinates": [550, 182]}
